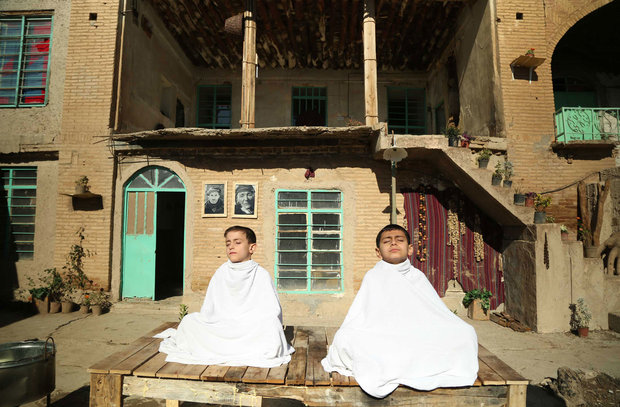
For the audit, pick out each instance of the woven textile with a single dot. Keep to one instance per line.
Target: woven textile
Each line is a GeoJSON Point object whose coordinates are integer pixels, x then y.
{"type": "Point", "coordinates": [447, 214]}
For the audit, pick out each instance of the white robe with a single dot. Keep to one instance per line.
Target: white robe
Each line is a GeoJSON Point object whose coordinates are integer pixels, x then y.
{"type": "Point", "coordinates": [398, 331]}
{"type": "Point", "coordinates": [239, 324]}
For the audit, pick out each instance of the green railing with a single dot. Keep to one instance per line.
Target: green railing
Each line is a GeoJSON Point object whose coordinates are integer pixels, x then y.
{"type": "Point", "coordinates": [585, 123]}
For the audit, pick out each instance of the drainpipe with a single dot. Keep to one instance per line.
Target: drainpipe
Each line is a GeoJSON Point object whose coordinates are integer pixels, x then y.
{"type": "Point", "coordinates": [119, 70]}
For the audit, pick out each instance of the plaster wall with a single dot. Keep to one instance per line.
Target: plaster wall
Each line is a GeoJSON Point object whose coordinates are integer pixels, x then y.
{"type": "Point", "coordinates": [23, 126]}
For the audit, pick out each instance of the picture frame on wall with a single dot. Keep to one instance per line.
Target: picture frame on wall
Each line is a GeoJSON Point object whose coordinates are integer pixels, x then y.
{"type": "Point", "coordinates": [245, 203]}
{"type": "Point", "coordinates": [214, 200]}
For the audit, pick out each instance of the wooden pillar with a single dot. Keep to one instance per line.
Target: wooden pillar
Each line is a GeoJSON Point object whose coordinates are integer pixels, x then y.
{"type": "Point", "coordinates": [248, 80]}
{"type": "Point", "coordinates": [106, 390]}
{"type": "Point", "coordinates": [370, 64]}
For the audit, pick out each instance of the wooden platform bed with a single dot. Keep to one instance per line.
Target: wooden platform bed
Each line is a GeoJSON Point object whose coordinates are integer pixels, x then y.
{"type": "Point", "coordinates": [142, 371]}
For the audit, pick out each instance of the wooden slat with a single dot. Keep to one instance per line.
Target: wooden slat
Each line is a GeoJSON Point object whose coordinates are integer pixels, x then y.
{"type": "Point", "coordinates": [339, 380]}
{"type": "Point", "coordinates": [255, 375]}
{"type": "Point", "coordinates": [510, 375]}
{"type": "Point", "coordinates": [137, 359]}
{"type": "Point", "coordinates": [317, 349]}
{"type": "Point", "coordinates": [150, 368]}
{"type": "Point", "coordinates": [235, 373]}
{"type": "Point", "coordinates": [214, 373]}
{"type": "Point", "coordinates": [301, 337]}
{"type": "Point", "coordinates": [277, 374]}
{"type": "Point", "coordinates": [297, 367]}
{"type": "Point", "coordinates": [104, 365]}
{"type": "Point", "coordinates": [170, 370]}
{"type": "Point", "coordinates": [161, 328]}
{"type": "Point", "coordinates": [191, 372]}
{"type": "Point", "coordinates": [105, 390]}
{"type": "Point", "coordinates": [488, 376]}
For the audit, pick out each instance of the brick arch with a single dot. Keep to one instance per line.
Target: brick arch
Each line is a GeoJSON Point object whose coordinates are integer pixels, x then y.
{"type": "Point", "coordinates": [572, 19]}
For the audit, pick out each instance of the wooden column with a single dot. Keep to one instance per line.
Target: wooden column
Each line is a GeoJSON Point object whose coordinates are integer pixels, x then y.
{"type": "Point", "coordinates": [370, 64]}
{"type": "Point", "coordinates": [248, 80]}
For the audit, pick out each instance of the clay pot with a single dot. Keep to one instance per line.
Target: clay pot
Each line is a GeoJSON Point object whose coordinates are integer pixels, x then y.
{"type": "Point", "coordinates": [590, 251]}
{"type": "Point", "coordinates": [67, 307]}
{"type": "Point", "coordinates": [97, 310]}
{"type": "Point", "coordinates": [84, 309]}
{"type": "Point", "coordinates": [42, 305]}
{"type": "Point", "coordinates": [54, 307]}
{"type": "Point", "coordinates": [496, 180]}
{"type": "Point", "coordinates": [564, 236]}
{"type": "Point", "coordinates": [475, 311]}
{"type": "Point", "coordinates": [529, 201]}
{"type": "Point", "coordinates": [583, 332]}
{"type": "Point", "coordinates": [465, 143]}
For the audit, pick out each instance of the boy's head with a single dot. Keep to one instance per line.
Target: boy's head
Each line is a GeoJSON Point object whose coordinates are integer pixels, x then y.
{"type": "Point", "coordinates": [394, 244]}
{"type": "Point", "coordinates": [213, 195]}
{"type": "Point", "coordinates": [240, 243]}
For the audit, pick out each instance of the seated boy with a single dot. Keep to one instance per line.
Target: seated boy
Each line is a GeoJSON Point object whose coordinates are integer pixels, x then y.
{"type": "Point", "coordinates": [398, 331]}
{"type": "Point", "coordinates": [240, 322]}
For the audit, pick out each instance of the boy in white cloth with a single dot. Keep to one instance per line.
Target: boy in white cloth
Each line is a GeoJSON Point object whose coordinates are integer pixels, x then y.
{"type": "Point", "coordinates": [398, 331]}
{"type": "Point", "coordinates": [240, 322]}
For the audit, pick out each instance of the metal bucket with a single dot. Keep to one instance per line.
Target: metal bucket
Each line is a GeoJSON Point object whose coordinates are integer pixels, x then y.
{"type": "Point", "coordinates": [27, 371]}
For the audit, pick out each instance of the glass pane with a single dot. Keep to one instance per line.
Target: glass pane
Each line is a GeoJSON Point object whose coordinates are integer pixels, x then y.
{"type": "Point", "coordinates": [149, 175]}
{"type": "Point", "coordinates": [25, 246]}
{"type": "Point", "coordinates": [291, 271]}
{"type": "Point", "coordinates": [162, 175]}
{"type": "Point", "coordinates": [10, 27]}
{"type": "Point", "coordinates": [292, 222]}
{"type": "Point", "coordinates": [292, 284]}
{"type": "Point", "coordinates": [325, 222]}
{"type": "Point", "coordinates": [23, 228]}
{"type": "Point", "coordinates": [21, 237]}
{"type": "Point", "coordinates": [173, 182]}
{"type": "Point", "coordinates": [22, 210]}
{"type": "Point", "coordinates": [322, 200]}
{"type": "Point", "coordinates": [292, 258]}
{"type": "Point", "coordinates": [7, 97]}
{"type": "Point", "coordinates": [292, 243]}
{"type": "Point", "coordinates": [25, 177]}
{"type": "Point", "coordinates": [206, 105]}
{"type": "Point", "coordinates": [6, 176]}
{"type": "Point", "coordinates": [25, 255]}
{"type": "Point", "coordinates": [328, 258]}
{"type": "Point", "coordinates": [24, 193]}
{"type": "Point", "coordinates": [20, 219]}
{"type": "Point", "coordinates": [292, 199]}
{"type": "Point", "coordinates": [325, 285]}
{"type": "Point", "coordinates": [325, 244]}
{"type": "Point", "coordinates": [23, 201]}
{"type": "Point", "coordinates": [38, 27]}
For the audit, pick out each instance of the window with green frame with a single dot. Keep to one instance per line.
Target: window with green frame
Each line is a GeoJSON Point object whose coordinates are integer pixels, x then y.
{"type": "Point", "coordinates": [309, 106]}
{"type": "Point", "coordinates": [25, 43]}
{"type": "Point", "coordinates": [309, 241]}
{"type": "Point", "coordinates": [214, 106]}
{"type": "Point", "coordinates": [406, 110]}
{"type": "Point", "coordinates": [18, 206]}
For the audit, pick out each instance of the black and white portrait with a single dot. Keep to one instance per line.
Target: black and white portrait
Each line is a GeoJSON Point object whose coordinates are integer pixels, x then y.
{"type": "Point", "coordinates": [245, 200]}
{"type": "Point", "coordinates": [214, 200]}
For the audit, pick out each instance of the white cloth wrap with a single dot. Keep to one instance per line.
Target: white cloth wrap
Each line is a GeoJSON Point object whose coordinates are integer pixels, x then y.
{"type": "Point", "coordinates": [239, 324]}
{"type": "Point", "coordinates": [398, 331]}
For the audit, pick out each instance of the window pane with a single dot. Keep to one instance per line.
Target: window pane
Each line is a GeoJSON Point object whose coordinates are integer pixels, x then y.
{"type": "Point", "coordinates": [173, 182]}
{"type": "Point", "coordinates": [292, 284]}
{"type": "Point", "coordinates": [326, 258]}
{"type": "Point", "coordinates": [321, 200]}
{"type": "Point", "coordinates": [38, 27]}
{"type": "Point", "coordinates": [10, 27]}
{"type": "Point", "coordinates": [292, 200]}
{"type": "Point", "coordinates": [325, 285]}
{"type": "Point", "coordinates": [325, 221]}
{"type": "Point", "coordinates": [24, 177]}
{"type": "Point", "coordinates": [214, 106]}
{"type": "Point", "coordinates": [292, 222]}
{"type": "Point", "coordinates": [292, 272]}
{"type": "Point", "coordinates": [287, 258]}
{"type": "Point", "coordinates": [321, 243]}
{"type": "Point", "coordinates": [139, 182]}
{"type": "Point", "coordinates": [288, 242]}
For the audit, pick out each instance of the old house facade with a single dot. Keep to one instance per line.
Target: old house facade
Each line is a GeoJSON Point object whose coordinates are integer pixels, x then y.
{"type": "Point", "coordinates": [160, 104]}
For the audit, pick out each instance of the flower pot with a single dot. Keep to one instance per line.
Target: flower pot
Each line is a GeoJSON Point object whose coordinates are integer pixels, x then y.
{"type": "Point", "coordinates": [564, 236]}
{"type": "Point", "coordinates": [465, 143]}
{"type": "Point", "coordinates": [483, 162]}
{"type": "Point", "coordinates": [583, 332]}
{"type": "Point", "coordinates": [507, 183]}
{"type": "Point", "coordinates": [496, 180]}
{"type": "Point", "coordinates": [54, 307]}
{"type": "Point", "coordinates": [540, 217]}
{"type": "Point", "coordinates": [42, 305]}
{"type": "Point", "coordinates": [67, 307]}
{"type": "Point", "coordinates": [97, 309]}
{"type": "Point", "coordinates": [453, 142]}
{"type": "Point", "coordinates": [590, 251]}
{"type": "Point", "coordinates": [519, 199]}
{"type": "Point", "coordinates": [475, 311]}
{"type": "Point", "coordinates": [84, 309]}
{"type": "Point", "coordinates": [529, 201]}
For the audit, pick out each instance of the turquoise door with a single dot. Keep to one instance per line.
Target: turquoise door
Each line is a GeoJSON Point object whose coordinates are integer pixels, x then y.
{"type": "Point", "coordinates": [140, 229]}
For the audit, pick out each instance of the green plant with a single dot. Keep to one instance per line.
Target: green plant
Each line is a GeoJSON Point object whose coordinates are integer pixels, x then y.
{"type": "Point", "coordinates": [549, 219]}
{"type": "Point", "coordinates": [182, 311]}
{"type": "Point", "coordinates": [508, 170]}
{"type": "Point", "coordinates": [484, 154]}
{"type": "Point", "coordinates": [75, 277]}
{"type": "Point", "coordinates": [100, 297]}
{"type": "Point", "coordinates": [581, 316]}
{"type": "Point", "coordinates": [38, 293]}
{"type": "Point", "coordinates": [452, 132]}
{"type": "Point", "coordinates": [530, 51]}
{"type": "Point", "coordinates": [583, 233]}
{"type": "Point", "coordinates": [499, 170]}
{"type": "Point", "coordinates": [55, 284]}
{"type": "Point", "coordinates": [82, 181]}
{"type": "Point", "coordinates": [563, 229]}
{"type": "Point", "coordinates": [483, 295]}
{"type": "Point", "coordinates": [541, 202]}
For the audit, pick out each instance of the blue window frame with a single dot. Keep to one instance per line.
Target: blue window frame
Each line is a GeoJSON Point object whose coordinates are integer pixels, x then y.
{"type": "Point", "coordinates": [406, 110]}
{"type": "Point", "coordinates": [214, 106]}
{"type": "Point", "coordinates": [309, 106]}
{"type": "Point", "coordinates": [309, 241]}
{"type": "Point", "coordinates": [25, 43]}
{"type": "Point", "coordinates": [18, 207]}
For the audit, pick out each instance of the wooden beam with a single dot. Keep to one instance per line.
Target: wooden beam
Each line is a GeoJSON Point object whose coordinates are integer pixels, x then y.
{"type": "Point", "coordinates": [248, 79]}
{"type": "Point", "coordinates": [370, 64]}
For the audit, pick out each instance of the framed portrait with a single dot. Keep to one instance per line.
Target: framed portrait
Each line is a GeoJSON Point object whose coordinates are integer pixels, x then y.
{"type": "Point", "coordinates": [214, 200]}
{"type": "Point", "coordinates": [245, 200]}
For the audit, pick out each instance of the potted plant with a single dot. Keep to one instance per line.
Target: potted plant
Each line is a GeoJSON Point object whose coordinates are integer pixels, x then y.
{"type": "Point", "coordinates": [81, 185]}
{"type": "Point", "coordinates": [508, 173]}
{"type": "Point", "coordinates": [477, 302]}
{"type": "Point", "coordinates": [519, 197]}
{"type": "Point", "coordinates": [541, 203]}
{"type": "Point", "coordinates": [483, 157]}
{"type": "Point", "coordinates": [55, 288]}
{"type": "Point", "coordinates": [75, 279]}
{"type": "Point", "coordinates": [580, 318]}
{"type": "Point", "coordinates": [564, 233]}
{"type": "Point", "coordinates": [85, 302]}
{"type": "Point", "coordinates": [99, 301]}
{"type": "Point", "coordinates": [496, 178]}
{"type": "Point", "coordinates": [453, 133]}
{"type": "Point", "coordinates": [530, 197]}
{"type": "Point", "coordinates": [39, 296]}
{"type": "Point", "coordinates": [585, 235]}
{"type": "Point", "coordinates": [530, 52]}
{"type": "Point", "coordinates": [465, 140]}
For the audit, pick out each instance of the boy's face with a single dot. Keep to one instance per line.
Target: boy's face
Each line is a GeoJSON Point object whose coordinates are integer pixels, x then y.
{"type": "Point", "coordinates": [393, 247]}
{"type": "Point", "coordinates": [213, 197]}
{"type": "Point", "coordinates": [238, 248]}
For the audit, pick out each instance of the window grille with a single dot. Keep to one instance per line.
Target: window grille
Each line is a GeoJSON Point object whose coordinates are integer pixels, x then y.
{"type": "Point", "coordinates": [214, 106]}
{"type": "Point", "coordinates": [309, 106]}
{"type": "Point", "coordinates": [406, 110]}
{"type": "Point", "coordinates": [18, 207]}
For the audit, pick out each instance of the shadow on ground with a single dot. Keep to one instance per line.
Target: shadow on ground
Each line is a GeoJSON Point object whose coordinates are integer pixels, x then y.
{"type": "Point", "coordinates": [15, 311]}
{"type": "Point", "coordinates": [540, 397]}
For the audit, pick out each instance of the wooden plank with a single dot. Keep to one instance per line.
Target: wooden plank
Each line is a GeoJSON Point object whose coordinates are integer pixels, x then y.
{"type": "Point", "coordinates": [510, 375]}
{"type": "Point", "coordinates": [517, 395]}
{"type": "Point", "coordinates": [317, 349]}
{"type": "Point", "coordinates": [172, 403]}
{"type": "Point", "coordinates": [277, 375]}
{"type": "Point", "coordinates": [339, 380]}
{"type": "Point", "coordinates": [104, 365]}
{"type": "Point", "coordinates": [191, 372]}
{"type": "Point", "coordinates": [214, 373]}
{"type": "Point", "coordinates": [106, 390]}
{"type": "Point", "coordinates": [161, 328]}
{"type": "Point", "coordinates": [301, 337]}
{"type": "Point", "coordinates": [170, 370]}
{"type": "Point", "coordinates": [255, 375]}
{"type": "Point", "coordinates": [235, 373]}
{"type": "Point", "coordinates": [137, 359]}
{"type": "Point", "coordinates": [297, 367]}
{"type": "Point", "coordinates": [487, 376]}
{"type": "Point", "coordinates": [150, 368]}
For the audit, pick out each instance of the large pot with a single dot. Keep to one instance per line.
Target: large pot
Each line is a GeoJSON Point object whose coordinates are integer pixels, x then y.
{"type": "Point", "coordinates": [27, 371]}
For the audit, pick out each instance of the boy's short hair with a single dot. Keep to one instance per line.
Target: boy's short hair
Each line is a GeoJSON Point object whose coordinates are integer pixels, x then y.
{"type": "Point", "coordinates": [389, 227]}
{"type": "Point", "coordinates": [249, 233]}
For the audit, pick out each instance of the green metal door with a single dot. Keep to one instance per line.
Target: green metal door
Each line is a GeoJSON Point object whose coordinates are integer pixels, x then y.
{"type": "Point", "coordinates": [139, 229]}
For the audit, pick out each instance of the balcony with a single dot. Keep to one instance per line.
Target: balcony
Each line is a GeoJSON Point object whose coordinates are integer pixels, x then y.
{"type": "Point", "coordinates": [582, 125]}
